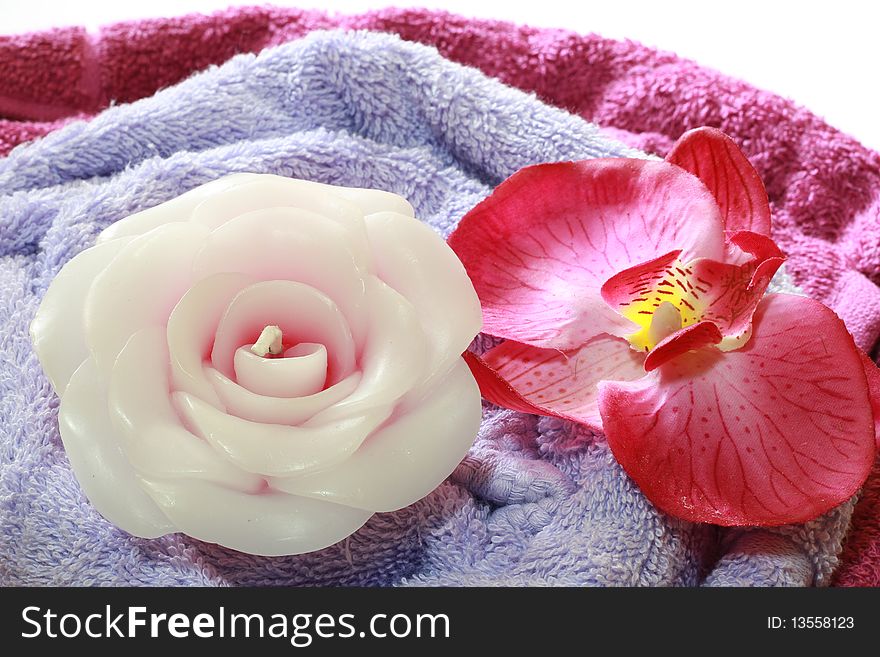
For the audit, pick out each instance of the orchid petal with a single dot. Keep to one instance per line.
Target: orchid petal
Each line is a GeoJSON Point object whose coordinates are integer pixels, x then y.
{"type": "Point", "coordinates": [777, 432]}
{"type": "Point", "coordinates": [494, 389]}
{"type": "Point", "coordinates": [634, 284]}
{"type": "Point", "coordinates": [715, 159]}
{"type": "Point", "coordinates": [690, 338]}
{"type": "Point", "coordinates": [539, 248]}
{"type": "Point", "coordinates": [729, 293]}
{"type": "Point", "coordinates": [761, 247]}
{"type": "Point", "coordinates": [555, 383]}
{"type": "Point", "coordinates": [872, 373]}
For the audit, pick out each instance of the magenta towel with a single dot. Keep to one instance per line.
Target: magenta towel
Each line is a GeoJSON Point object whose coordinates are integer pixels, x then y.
{"type": "Point", "coordinates": [824, 187]}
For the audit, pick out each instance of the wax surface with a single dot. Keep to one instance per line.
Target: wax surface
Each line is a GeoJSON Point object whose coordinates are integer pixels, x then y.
{"type": "Point", "coordinates": [262, 363]}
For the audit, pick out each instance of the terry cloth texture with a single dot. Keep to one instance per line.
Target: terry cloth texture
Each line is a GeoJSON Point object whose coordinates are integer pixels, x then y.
{"type": "Point", "coordinates": [824, 186]}
{"type": "Point", "coordinates": [536, 501]}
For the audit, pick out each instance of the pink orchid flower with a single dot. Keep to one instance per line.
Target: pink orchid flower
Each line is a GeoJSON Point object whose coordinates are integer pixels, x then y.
{"type": "Point", "coordinates": [630, 294]}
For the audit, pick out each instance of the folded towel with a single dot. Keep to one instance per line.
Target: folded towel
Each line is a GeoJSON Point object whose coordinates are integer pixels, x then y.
{"type": "Point", "coordinates": [536, 501]}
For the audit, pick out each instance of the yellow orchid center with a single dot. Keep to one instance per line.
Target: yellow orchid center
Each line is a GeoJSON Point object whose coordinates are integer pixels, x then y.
{"type": "Point", "coordinates": [669, 296]}
{"type": "Point", "coordinates": [664, 306]}
{"type": "Point", "coordinates": [664, 321]}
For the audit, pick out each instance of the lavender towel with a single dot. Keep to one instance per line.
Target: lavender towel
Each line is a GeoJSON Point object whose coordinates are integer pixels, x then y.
{"type": "Point", "coordinates": [537, 501]}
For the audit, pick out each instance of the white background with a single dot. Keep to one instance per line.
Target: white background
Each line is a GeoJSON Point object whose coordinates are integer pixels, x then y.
{"type": "Point", "coordinates": [824, 55]}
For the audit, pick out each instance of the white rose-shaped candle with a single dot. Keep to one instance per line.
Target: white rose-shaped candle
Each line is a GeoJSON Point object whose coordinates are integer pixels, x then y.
{"type": "Point", "coordinates": [262, 363]}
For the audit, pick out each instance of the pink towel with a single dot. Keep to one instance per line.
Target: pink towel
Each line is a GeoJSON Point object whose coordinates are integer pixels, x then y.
{"type": "Point", "coordinates": [824, 186]}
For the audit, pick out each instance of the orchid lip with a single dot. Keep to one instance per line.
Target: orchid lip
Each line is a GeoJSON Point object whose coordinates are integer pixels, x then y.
{"type": "Point", "coordinates": [662, 298]}
{"type": "Point", "coordinates": [665, 321]}
{"type": "Point", "coordinates": [667, 295]}
{"type": "Point", "coordinates": [661, 323]}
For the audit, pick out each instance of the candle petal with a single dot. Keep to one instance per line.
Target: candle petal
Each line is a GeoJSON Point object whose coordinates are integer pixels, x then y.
{"type": "Point", "coordinates": [132, 292]}
{"type": "Point", "coordinates": [243, 403]}
{"type": "Point", "coordinates": [259, 192]}
{"type": "Point", "coordinates": [269, 524]}
{"type": "Point", "coordinates": [371, 201]}
{"type": "Point", "coordinates": [275, 449]}
{"type": "Point", "coordinates": [98, 460]}
{"type": "Point", "coordinates": [59, 342]}
{"type": "Point", "coordinates": [346, 206]}
{"type": "Point", "coordinates": [294, 245]}
{"type": "Point", "coordinates": [412, 259]}
{"type": "Point", "coordinates": [299, 373]}
{"type": "Point", "coordinates": [192, 327]}
{"type": "Point", "coordinates": [392, 362]}
{"type": "Point", "coordinates": [176, 209]}
{"type": "Point", "coordinates": [150, 429]}
{"type": "Point", "coordinates": [420, 448]}
{"type": "Point", "coordinates": [303, 313]}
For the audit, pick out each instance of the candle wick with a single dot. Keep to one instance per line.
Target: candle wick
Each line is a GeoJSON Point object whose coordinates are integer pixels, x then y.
{"type": "Point", "coordinates": [269, 342]}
